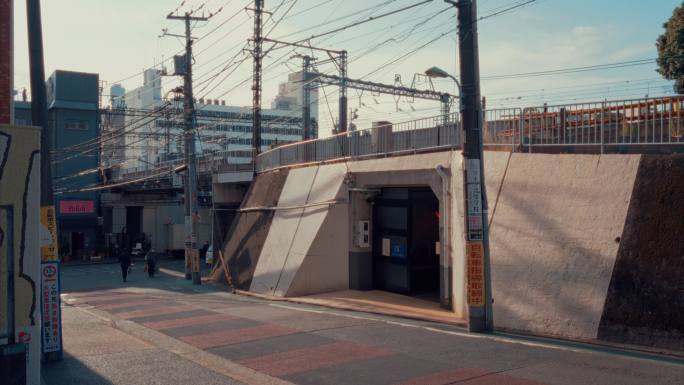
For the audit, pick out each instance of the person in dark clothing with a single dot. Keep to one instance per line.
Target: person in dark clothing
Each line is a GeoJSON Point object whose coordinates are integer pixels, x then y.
{"type": "Point", "coordinates": [125, 262]}
{"type": "Point", "coordinates": [151, 261]}
{"type": "Point", "coordinates": [203, 251]}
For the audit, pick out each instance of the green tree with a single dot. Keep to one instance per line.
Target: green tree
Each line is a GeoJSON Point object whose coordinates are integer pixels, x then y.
{"type": "Point", "coordinates": [671, 49]}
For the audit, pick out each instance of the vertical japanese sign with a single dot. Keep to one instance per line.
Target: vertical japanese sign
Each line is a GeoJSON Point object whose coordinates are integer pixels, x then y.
{"type": "Point", "coordinates": [475, 261]}
{"type": "Point", "coordinates": [51, 333]}
{"type": "Point", "coordinates": [474, 199]}
{"type": "Point", "coordinates": [48, 234]}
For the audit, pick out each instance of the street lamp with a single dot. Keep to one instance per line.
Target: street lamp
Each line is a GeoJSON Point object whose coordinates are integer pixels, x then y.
{"type": "Point", "coordinates": [436, 72]}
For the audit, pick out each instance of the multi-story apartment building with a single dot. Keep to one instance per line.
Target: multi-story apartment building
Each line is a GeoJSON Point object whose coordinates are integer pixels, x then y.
{"type": "Point", "coordinates": [155, 124]}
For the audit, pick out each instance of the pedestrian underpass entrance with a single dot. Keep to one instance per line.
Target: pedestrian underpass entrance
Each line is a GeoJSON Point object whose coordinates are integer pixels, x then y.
{"type": "Point", "coordinates": [406, 241]}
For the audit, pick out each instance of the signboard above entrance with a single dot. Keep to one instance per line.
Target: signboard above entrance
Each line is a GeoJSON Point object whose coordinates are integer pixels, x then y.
{"type": "Point", "coordinates": [76, 207]}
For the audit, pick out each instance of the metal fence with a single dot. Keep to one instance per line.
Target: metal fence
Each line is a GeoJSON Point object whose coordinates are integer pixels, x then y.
{"type": "Point", "coordinates": [383, 138]}
{"type": "Point", "coordinates": [624, 123]}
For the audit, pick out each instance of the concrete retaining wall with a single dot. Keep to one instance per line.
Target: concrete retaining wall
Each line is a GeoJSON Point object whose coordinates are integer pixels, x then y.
{"type": "Point", "coordinates": [553, 240]}
{"type": "Point", "coordinates": [582, 246]}
{"type": "Point", "coordinates": [645, 301]}
{"type": "Point", "coordinates": [246, 237]}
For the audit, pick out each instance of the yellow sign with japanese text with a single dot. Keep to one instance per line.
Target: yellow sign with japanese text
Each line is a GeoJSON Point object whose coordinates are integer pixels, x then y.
{"type": "Point", "coordinates": [48, 234]}
{"type": "Point", "coordinates": [476, 284]}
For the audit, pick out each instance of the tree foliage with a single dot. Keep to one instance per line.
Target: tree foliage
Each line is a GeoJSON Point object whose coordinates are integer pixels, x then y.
{"type": "Point", "coordinates": [671, 49]}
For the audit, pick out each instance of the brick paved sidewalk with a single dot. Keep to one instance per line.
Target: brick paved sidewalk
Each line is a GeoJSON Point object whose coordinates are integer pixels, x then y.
{"type": "Point", "coordinates": [305, 345]}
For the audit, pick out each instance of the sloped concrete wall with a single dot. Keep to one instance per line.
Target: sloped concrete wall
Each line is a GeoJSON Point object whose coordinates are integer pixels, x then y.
{"type": "Point", "coordinates": [249, 230]}
{"type": "Point", "coordinates": [553, 240]}
{"type": "Point", "coordinates": [325, 267]}
{"type": "Point", "coordinates": [294, 229]}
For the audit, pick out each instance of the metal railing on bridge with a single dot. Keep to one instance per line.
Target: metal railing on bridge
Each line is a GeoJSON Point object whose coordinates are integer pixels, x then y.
{"type": "Point", "coordinates": [383, 138]}
{"type": "Point", "coordinates": [613, 125]}
{"type": "Point", "coordinates": [608, 124]}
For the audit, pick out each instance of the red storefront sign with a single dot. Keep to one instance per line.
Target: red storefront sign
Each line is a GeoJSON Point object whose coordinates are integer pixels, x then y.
{"type": "Point", "coordinates": [76, 207]}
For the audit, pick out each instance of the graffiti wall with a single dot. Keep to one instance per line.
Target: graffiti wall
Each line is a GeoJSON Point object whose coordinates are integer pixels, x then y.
{"type": "Point", "coordinates": [19, 235]}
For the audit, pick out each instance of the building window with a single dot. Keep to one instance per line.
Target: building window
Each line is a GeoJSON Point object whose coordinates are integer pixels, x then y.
{"type": "Point", "coordinates": [80, 125]}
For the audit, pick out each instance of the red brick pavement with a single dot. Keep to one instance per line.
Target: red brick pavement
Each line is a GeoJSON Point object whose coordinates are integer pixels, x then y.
{"type": "Point", "coordinates": [501, 379]}
{"type": "Point", "coordinates": [189, 321]}
{"type": "Point", "coordinates": [303, 360]}
{"type": "Point", "coordinates": [155, 311]}
{"type": "Point", "coordinates": [283, 363]}
{"type": "Point", "coordinates": [126, 303]}
{"type": "Point", "coordinates": [229, 337]}
{"type": "Point", "coordinates": [448, 377]}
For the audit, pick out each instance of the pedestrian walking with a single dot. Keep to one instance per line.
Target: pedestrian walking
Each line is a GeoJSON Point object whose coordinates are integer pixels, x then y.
{"type": "Point", "coordinates": [203, 251]}
{"type": "Point", "coordinates": [150, 263]}
{"type": "Point", "coordinates": [125, 262]}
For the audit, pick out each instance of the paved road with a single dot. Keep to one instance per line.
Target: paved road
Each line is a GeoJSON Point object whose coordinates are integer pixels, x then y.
{"type": "Point", "coordinates": [167, 331]}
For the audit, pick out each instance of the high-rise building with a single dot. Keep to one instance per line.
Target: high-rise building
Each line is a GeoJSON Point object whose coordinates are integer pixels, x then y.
{"type": "Point", "coordinates": [113, 124]}
{"type": "Point", "coordinates": [291, 98]}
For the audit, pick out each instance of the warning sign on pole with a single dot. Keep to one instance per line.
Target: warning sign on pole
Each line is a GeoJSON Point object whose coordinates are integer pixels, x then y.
{"type": "Point", "coordinates": [52, 320]}
{"type": "Point", "coordinates": [475, 260]}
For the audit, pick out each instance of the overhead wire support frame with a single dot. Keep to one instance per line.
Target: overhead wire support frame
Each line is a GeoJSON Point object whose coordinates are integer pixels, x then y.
{"type": "Point", "coordinates": [364, 85]}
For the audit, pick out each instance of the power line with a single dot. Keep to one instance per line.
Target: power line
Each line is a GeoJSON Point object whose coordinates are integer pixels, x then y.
{"type": "Point", "coordinates": [563, 71]}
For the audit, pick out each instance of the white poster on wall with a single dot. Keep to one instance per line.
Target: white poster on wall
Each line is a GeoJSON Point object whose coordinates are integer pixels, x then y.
{"type": "Point", "coordinates": [386, 247]}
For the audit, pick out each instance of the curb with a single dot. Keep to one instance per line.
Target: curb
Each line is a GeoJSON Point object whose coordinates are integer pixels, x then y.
{"type": "Point", "coordinates": [398, 314]}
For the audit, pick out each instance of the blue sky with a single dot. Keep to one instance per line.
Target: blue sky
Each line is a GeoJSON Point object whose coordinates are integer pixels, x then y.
{"type": "Point", "coordinates": [118, 39]}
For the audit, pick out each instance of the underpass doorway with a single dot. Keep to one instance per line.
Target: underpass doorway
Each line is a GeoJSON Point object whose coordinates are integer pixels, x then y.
{"type": "Point", "coordinates": [406, 242]}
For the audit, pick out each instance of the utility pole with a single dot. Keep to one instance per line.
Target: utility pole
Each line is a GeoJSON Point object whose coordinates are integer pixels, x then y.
{"type": "Point", "coordinates": [343, 92]}
{"type": "Point", "coordinates": [256, 85]}
{"type": "Point", "coordinates": [39, 114]}
{"type": "Point", "coordinates": [479, 286]}
{"type": "Point", "coordinates": [306, 97]}
{"type": "Point", "coordinates": [191, 210]}
{"type": "Point", "coordinates": [39, 117]}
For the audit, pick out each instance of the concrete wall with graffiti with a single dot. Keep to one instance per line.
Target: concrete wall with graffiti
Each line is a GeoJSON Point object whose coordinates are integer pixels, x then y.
{"type": "Point", "coordinates": [20, 207]}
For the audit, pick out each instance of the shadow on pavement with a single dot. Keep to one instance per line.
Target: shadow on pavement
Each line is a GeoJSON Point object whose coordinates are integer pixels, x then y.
{"type": "Point", "coordinates": [70, 371]}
